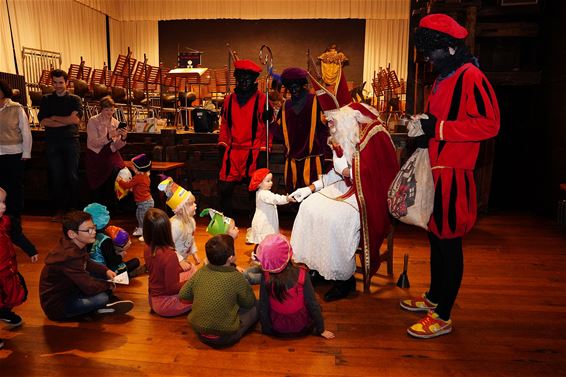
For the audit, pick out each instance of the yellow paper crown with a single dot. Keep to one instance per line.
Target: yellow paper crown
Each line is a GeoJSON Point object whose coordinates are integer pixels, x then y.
{"type": "Point", "coordinates": [176, 195]}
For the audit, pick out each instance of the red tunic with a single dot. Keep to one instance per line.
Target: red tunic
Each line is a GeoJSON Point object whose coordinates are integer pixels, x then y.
{"type": "Point", "coordinates": [374, 167]}
{"type": "Point", "coordinates": [243, 133]}
{"type": "Point", "coordinates": [467, 112]}
{"type": "Point", "coordinates": [307, 153]}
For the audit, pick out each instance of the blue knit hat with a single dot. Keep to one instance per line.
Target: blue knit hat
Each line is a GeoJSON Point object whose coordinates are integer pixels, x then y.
{"type": "Point", "coordinates": [99, 213]}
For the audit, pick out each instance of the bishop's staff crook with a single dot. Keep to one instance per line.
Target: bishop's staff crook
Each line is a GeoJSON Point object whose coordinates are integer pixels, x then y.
{"type": "Point", "coordinates": [266, 58]}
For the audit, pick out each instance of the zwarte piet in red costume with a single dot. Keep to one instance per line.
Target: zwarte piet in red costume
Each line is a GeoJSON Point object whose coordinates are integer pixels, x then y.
{"type": "Point", "coordinates": [462, 110]}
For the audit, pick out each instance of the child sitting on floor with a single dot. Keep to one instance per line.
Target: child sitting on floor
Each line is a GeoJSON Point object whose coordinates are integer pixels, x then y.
{"type": "Point", "coordinates": [121, 240]}
{"type": "Point", "coordinates": [67, 287]}
{"type": "Point", "coordinates": [183, 223]}
{"type": "Point", "coordinates": [223, 301]}
{"type": "Point", "coordinates": [287, 302]}
{"type": "Point", "coordinates": [166, 276]}
{"type": "Point", "coordinates": [102, 250]}
{"type": "Point", "coordinates": [220, 224]}
{"type": "Point", "coordinates": [140, 187]}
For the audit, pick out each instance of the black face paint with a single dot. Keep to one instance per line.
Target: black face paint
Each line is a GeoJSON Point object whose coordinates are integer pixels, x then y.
{"type": "Point", "coordinates": [436, 56]}
{"type": "Point", "coordinates": [245, 82]}
{"type": "Point", "coordinates": [442, 61]}
{"type": "Point", "coordinates": [434, 48]}
{"type": "Point", "coordinates": [298, 90]}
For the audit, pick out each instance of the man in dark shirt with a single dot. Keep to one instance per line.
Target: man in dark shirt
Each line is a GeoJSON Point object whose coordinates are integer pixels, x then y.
{"type": "Point", "coordinates": [60, 113]}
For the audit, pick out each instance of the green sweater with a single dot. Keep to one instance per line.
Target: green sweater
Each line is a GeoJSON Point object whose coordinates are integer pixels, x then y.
{"type": "Point", "coordinates": [217, 293]}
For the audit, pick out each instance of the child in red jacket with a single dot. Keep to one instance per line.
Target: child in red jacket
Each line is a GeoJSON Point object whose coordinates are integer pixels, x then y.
{"type": "Point", "coordinates": [13, 290]}
{"type": "Point", "coordinates": [166, 277]}
{"type": "Point", "coordinates": [140, 187]}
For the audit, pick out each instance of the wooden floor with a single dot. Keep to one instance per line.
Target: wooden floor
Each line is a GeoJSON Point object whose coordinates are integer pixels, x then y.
{"type": "Point", "coordinates": [509, 319]}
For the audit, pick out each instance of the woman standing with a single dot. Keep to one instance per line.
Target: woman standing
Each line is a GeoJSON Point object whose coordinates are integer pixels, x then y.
{"type": "Point", "coordinates": [103, 160]}
{"type": "Point", "coordinates": [15, 149]}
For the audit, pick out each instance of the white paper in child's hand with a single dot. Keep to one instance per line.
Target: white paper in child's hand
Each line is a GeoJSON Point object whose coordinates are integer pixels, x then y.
{"type": "Point", "coordinates": [121, 278]}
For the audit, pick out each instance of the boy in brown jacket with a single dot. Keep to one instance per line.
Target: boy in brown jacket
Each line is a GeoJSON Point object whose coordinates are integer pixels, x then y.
{"type": "Point", "coordinates": [67, 287]}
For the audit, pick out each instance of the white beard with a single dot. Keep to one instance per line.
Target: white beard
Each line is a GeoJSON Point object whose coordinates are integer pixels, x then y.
{"type": "Point", "coordinates": [345, 129]}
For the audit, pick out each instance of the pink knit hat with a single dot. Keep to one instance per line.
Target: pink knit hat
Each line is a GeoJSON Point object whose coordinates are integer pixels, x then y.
{"type": "Point", "coordinates": [274, 253]}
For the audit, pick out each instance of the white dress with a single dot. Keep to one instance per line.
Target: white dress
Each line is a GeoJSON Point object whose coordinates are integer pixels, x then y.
{"type": "Point", "coordinates": [266, 220]}
{"type": "Point", "coordinates": [184, 243]}
{"type": "Point", "coordinates": [326, 231]}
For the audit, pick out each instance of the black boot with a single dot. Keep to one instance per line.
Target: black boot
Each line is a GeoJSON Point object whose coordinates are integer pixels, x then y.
{"type": "Point", "coordinates": [316, 278]}
{"type": "Point", "coordinates": [341, 289]}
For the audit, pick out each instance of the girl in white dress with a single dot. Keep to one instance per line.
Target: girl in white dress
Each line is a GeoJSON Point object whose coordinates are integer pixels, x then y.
{"type": "Point", "coordinates": [265, 220]}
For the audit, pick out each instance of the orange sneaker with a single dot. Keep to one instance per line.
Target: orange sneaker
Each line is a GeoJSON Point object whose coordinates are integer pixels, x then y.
{"type": "Point", "coordinates": [418, 304]}
{"type": "Point", "coordinates": [430, 326]}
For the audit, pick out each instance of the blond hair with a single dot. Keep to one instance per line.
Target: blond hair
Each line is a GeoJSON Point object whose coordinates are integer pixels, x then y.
{"type": "Point", "coordinates": [187, 219]}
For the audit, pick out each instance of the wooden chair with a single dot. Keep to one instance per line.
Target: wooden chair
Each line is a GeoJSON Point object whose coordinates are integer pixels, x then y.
{"type": "Point", "coordinates": [100, 76]}
{"type": "Point", "coordinates": [45, 77]}
{"type": "Point", "coordinates": [385, 256]}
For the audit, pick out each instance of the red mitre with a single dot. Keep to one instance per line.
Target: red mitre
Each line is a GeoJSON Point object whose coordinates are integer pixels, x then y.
{"type": "Point", "coordinates": [326, 99]}
{"type": "Point", "coordinates": [247, 65]}
{"type": "Point", "coordinates": [444, 24]}
{"type": "Point", "coordinates": [329, 101]}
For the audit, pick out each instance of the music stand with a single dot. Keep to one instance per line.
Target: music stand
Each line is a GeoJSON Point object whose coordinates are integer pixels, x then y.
{"type": "Point", "coordinates": [188, 73]}
{"type": "Point", "coordinates": [122, 76]}
{"type": "Point", "coordinates": [146, 75]}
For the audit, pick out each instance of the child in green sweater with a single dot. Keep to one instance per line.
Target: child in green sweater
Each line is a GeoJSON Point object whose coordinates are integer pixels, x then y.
{"type": "Point", "coordinates": [224, 305]}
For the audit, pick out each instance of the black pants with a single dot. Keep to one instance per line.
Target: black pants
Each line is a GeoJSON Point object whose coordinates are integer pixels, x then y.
{"type": "Point", "coordinates": [446, 270]}
{"type": "Point", "coordinates": [63, 168]}
{"type": "Point", "coordinates": [12, 169]}
{"type": "Point", "coordinates": [105, 194]}
{"type": "Point", "coordinates": [226, 190]}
